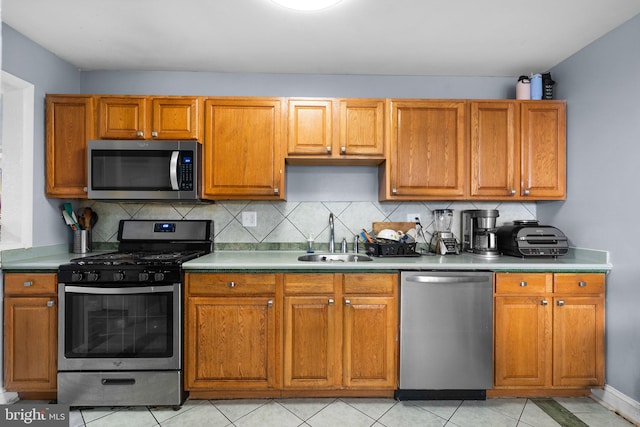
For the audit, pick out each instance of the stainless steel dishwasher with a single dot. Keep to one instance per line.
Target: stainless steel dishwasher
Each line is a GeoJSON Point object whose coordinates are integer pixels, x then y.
{"type": "Point", "coordinates": [446, 335]}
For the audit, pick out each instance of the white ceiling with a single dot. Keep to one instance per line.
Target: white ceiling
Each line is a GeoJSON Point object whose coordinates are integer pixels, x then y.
{"type": "Point", "coordinates": [393, 37]}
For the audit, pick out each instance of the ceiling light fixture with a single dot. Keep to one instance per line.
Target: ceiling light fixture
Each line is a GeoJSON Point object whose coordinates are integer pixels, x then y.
{"type": "Point", "coordinates": [307, 4]}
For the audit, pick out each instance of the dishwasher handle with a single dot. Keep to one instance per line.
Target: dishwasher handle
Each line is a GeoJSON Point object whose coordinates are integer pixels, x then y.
{"type": "Point", "coordinates": [447, 279]}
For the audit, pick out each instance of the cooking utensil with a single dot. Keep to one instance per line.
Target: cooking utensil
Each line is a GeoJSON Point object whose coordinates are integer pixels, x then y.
{"type": "Point", "coordinates": [69, 221]}
{"type": "Point", "coordinates": [72, 216]}
{"type": "Point", "coordinates": [367, 236]}
{"type": "Point", "coordinates": [87, 215]}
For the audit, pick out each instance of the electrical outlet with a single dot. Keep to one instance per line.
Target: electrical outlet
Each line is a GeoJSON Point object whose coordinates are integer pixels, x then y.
{"type": "Point", "coordinates": [411, 217]}
{"type": "Point", "coordinates": [249, 219]}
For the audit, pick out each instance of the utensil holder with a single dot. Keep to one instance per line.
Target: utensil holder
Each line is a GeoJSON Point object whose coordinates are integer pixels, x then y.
{"type": "Point", "coordinates": [81, 241]}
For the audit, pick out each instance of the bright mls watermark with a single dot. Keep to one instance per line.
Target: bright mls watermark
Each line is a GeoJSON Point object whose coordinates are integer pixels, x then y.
{"type": "Point", "coordinates": [34, 415]}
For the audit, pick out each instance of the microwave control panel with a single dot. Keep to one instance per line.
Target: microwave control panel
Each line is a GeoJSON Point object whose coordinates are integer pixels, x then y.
{"type": "Point", "coordinates": [186, 170]}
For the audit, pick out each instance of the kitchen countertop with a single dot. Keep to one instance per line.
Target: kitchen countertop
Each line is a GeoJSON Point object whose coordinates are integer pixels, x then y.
{"type": "Point", "coordinates": [575, 260]}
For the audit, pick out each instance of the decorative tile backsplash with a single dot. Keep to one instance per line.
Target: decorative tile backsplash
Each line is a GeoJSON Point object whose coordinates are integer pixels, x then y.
{"type": "Point", "coordinates": [287, 225]}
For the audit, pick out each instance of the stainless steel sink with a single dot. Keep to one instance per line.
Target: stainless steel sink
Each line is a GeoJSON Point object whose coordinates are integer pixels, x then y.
{"type": "Point", "coordinates": [339, 257]}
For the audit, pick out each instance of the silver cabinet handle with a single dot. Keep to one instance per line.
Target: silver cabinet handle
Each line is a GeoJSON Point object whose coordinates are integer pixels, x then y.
{"type": "Point", "coordinates": [560, 303]}
{"type": "Point", "coordinates": [328, 149]}
{"type": "Point", "coordinates": [347, 302]}
{"type": "Point", "coordinates": [140, 134]}
{"type": "Point", "coordinates": [276, 191]}
{"type": "Point", "coordinates": [512, 192]}
{"type": "Point", "coordinates": [343, 150]}
{"type": "Point", "coordinates": [27, 284]}
{"type": "Point", "coordinates": [232, 284]}
{"type": "Point", "coordinates": [270, 303]}
{"type": "Point", "coordinates": [526, 192]}
{"type": "Point", "coordinates": [331, 301]}
{"type": "Point", "coordinates": [582, 284]}
{"type": "Point", "coordinates": [154, 134]}
{"type": "Point", "coordinates": [51, 303]}
{"type": "Point", "coordinates": [544, 302]}
{"type": "Point", "coordinates": [523, 284]}
{"type": "Point", "coordinates": [394, 191]}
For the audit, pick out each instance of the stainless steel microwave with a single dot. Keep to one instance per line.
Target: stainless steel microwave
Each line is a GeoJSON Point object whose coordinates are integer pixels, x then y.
{"type": "Point", "coordinates": [144, 170]}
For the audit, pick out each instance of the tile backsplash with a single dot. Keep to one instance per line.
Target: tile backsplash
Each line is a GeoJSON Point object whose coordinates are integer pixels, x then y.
{"type": "Point", "coordinates": [287, 225]}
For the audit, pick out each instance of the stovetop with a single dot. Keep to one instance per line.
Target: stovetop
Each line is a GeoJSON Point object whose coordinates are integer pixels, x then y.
{"type": "Point", "coordinates": [143, 258]}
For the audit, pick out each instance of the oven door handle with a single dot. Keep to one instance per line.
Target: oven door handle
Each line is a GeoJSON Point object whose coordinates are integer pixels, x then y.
{"type": "Point", "coordinates": [118, 291]}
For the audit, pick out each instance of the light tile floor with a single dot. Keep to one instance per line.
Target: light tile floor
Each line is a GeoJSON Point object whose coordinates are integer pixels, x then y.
{"type": "Point", "coordinates": [349, 412]}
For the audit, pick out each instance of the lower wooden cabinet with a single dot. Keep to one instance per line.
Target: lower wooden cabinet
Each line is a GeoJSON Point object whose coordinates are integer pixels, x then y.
{"type": "Point", "coordinates": [549, 330]}
{"type": "Point", "coordinates": [30, 332]}
{"type": "Point", "coordinates": [275, 334]}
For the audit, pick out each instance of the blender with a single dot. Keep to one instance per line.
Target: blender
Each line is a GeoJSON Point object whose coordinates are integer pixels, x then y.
{"type": "Point", "coordinates": [443, 241]}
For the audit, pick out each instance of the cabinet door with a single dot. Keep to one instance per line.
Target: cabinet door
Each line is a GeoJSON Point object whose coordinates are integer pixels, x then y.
{"type": "Point", "coordinates": [362, 127]}
{"type": "Point", "coordinates": [175, 118]}
{"type": "Point", "coordinates": [242, 149]}
{"type": "Point", "coordinates": [30, 343]}
{"type": "Point", "coordinates": [578, 341]}
{"type": "Point", "coordinates": [543, 145]}
{"type": "Point", "coordinates": [522, 334]}
{"type": "Point", "coordinates": [122, 118]}
{"type": "Point", "coordinates": [370, 331]}
{"type": "Point", "coordinates": [230, 342]}
{"type": "Point", "coordinates": [427, 153]}
{"type": "Point", "coordinates": [310, 126]}
{"type": "Point", "coordinates": [311, 337]}
{"type": "Point", "coordinates": [70, 124]}
{"type": "Point", "coordinates": [495, 153]}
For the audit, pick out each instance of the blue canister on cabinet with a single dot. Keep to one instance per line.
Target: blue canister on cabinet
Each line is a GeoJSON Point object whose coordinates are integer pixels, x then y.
{"type": "Point", "coordinates": [536, 86]}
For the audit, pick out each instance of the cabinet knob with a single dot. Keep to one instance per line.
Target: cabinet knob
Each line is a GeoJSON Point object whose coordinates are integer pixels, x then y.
{"type": "Point", "coordinates": [328, 149]}
{"type": "Point", "coordinates": [140, 134]}
{"type": "Point", "coordinates": [512, 192]}
{"type": "Point", "coordinates": [27, 284]}
{"type": "Point", "coordinates": [232, 284]}
{"type": "Point", "coordinates": [343, 150]}
{"type": "Point", "coordinates": [582, 284]}
{"type": "Point", "coordinates": [560, 303]}
{"type": "Point", "coordinates": [270, 303]}
{"type": "Point", "coordinates": [526, 192]}
{"type": "Point", "coordinates": [85, 189]}
{"type": "Point", "coordinates": [394, 191]}
{"type": "Point", "coordinates": [544, 302]}
{"type": "Point", "coordinates": [276, 191]}
{"type": "Point", "coordinates": [347, 302]}
{"type": "Point", "coordinates": [154, 134]}
{"type": "Point", "coordinates": [331, 301]}
{"type": "Point", "coordinates": [523, 284]}
{"type": "Point", "coordinates": [51, 303]}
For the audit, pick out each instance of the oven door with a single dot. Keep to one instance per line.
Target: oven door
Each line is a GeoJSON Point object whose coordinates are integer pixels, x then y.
{"type": "Point", "coordinates": [119, 328]}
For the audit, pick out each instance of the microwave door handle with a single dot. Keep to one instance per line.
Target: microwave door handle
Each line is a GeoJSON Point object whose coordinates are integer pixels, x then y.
{"type": "Point", "coordinates": [173, 170]}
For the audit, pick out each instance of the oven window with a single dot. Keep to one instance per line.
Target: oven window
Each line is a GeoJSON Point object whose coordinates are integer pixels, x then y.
{"type": "Point", "coordinates": [134, 325]}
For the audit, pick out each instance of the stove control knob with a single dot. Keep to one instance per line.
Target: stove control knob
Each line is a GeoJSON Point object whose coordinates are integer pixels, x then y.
{"type": "Point", "coordinates": [118, 276]}
{"type": "Point", "coordinates": [77, 276]}
{"type": "Point", "coordinates": [158, 277]}
{"type": "Point", "coordinates": [143, 277]}
{"type": "Point", "coordinates": [93, 276]}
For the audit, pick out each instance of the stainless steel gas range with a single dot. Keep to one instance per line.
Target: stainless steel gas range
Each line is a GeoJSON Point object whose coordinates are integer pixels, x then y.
{"type": "Point", "coordinates": [120, 316]}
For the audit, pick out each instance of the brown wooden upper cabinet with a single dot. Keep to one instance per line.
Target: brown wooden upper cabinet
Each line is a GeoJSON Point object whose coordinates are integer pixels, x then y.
{"type": "Point", "coordinates": [339, 130]}
{"type": "Point", "coordinates": [141, 117]}
{"type": "Point", "coordinates": [69, 125]}
{"type": "Point", "coordinates": [518, 150]}
{"type": "Point", "coordinates": [427, 151]}
{"type": "Point", "coordinates": [243, 149]}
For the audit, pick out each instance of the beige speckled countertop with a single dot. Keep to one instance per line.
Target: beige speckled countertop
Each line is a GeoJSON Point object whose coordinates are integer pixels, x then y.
{"type": "Point", "coordinates": [575, 260]}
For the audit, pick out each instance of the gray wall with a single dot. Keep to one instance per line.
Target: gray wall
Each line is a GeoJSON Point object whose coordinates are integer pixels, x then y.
{"type": "Point", "coordinates": [49, 74]}
{"type": "Point", "coordinates": [600, 84]}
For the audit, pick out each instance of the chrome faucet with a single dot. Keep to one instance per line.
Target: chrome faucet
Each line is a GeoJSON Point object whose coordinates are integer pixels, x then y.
{"type": "Point", "coordinates": [332, 239]}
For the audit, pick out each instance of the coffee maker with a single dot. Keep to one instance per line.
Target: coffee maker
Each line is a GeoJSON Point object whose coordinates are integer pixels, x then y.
{"type": "Point", "coordinates": [442, 240]}
{"type": "Point", "coordinates": [479, 232]}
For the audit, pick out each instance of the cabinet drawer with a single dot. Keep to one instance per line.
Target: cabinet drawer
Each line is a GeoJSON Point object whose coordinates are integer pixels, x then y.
{"type": "Point", "coordinates": [30, 283]}
{"type": "Point", "coordinates": [321, 283]}
{"type": "Point", "coordinates": [582, 283]}
{"type": "Point", "coordinates": [369, 283]}
{"type": "Point", "coordinates": [523, 283]}
{"type": "Point", "coordinates": [230, 284]}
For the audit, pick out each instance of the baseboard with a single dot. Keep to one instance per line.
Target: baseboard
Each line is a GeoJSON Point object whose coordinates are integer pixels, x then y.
{"type": "Point", "coordinates": [618, 402]}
